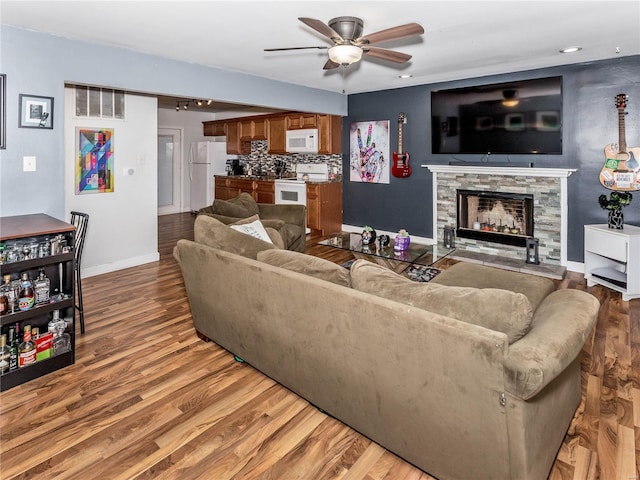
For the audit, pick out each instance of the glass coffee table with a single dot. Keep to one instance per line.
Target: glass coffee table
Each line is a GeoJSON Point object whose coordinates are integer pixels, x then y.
{"type": "Point", "coordinates": [416, 254]}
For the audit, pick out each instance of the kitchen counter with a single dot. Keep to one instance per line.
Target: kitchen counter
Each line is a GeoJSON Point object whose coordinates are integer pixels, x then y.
{"type": "Point", "coordinates": [273, 178]}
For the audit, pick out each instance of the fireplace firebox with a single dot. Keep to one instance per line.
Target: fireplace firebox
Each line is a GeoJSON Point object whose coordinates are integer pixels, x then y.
{"type": "Point", "coordinates": [497, 217]}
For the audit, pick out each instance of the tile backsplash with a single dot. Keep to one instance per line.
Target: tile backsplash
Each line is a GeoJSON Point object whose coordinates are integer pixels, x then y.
{"type": "Point", "coordinates": [261, 160]}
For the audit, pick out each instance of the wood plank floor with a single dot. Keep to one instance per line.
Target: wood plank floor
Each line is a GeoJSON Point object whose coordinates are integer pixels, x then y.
{"type": "Point", "coordinates": [148, 399]}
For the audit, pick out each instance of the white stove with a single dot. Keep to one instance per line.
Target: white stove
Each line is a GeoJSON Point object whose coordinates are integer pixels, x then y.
{"type": "Point", "coordinates": [294, 190]}
{"type": "Point", "coordinates": [309, 172]}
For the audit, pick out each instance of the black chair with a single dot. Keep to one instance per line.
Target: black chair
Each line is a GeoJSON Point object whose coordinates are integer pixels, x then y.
{"type": "Point", "coordinates": [80, 220]}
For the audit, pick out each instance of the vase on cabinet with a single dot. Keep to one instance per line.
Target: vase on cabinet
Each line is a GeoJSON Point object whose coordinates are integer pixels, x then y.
{"type": "Point", "coordinates": [616, 219]}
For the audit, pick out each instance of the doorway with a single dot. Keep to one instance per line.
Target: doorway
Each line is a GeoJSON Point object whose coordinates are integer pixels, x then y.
{"type": "Point", "coordinates": [169, 171]}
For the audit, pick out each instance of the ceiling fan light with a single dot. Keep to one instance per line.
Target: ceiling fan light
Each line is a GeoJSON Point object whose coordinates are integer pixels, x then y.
{"type": "Point", "coordinates": [345, 54]}
{"type": "Point", "coordinates": [510, 98]}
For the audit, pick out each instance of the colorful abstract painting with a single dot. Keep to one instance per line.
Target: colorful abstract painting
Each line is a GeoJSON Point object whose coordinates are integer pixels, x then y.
{"type": "Point", "coordinates": [94, 160]}
{"type": "Point", "coordinates": [369, 152]}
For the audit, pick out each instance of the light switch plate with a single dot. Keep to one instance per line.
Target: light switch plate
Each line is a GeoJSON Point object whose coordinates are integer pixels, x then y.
{"type": "Point", "coordinates": [29, 164]}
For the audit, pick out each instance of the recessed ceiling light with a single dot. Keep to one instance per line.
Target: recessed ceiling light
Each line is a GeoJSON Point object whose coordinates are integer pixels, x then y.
{"type": "Point", "coordinates": [570, 49]}
{"type": "Point", "coordinates": [406, 75]}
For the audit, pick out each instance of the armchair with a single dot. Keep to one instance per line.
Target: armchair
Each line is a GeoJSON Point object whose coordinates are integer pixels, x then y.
{"type": "Point", "coordinates": [288, 220]}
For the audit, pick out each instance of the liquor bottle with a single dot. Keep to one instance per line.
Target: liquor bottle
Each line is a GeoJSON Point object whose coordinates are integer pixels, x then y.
{"type": "Point", "coordinates": [13, 348]}
{"type": "Point", "coordinates": [4, 304]}
{"type": "Point", "coordinates": [27, 349]}
{"type": "Point", "coordinates": [8, 290]}
{"type": "Point", "coordinates": [61, 340]}
{"type": "Point", "coordinates": [16, 285]}
{"type": "Point", "coordinates": [4, 354]}
{"type": "Point", "coordinates": [26, 298]}
{"type": "Point", "coordinates": [41, 287]}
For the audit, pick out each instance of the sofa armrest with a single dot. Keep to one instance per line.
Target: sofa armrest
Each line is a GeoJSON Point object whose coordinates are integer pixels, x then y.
{"type": "Point", "coordinates": [559, 329]}
{"type": "Point", "coordinates": [294, 214]}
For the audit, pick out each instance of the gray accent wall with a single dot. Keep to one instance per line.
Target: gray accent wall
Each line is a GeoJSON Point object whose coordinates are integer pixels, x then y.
{"type": "Point", "coordinates": [590, 121]}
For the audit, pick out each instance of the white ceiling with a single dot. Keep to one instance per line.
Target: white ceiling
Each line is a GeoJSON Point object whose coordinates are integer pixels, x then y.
{"type": "Point", "coordinates": [462, 39]}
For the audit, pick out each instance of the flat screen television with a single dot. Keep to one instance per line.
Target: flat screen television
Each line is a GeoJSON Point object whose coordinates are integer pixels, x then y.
{"type": "Point", "coordinates": [520, 117]}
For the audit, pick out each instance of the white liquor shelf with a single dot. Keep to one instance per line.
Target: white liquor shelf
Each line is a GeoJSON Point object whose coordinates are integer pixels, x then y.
{"type": "Point", "coordinates": [612, 258]}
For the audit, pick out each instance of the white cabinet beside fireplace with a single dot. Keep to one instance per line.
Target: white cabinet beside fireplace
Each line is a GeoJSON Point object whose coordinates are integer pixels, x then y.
{"type": "Point", "coordinates": [612, 258]}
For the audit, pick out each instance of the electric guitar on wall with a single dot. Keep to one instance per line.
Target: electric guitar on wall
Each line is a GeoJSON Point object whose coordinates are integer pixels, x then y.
{"type": "Point", "coordinates": [400, 167]}
{"type": "Point", "coordinates": [621, 170]}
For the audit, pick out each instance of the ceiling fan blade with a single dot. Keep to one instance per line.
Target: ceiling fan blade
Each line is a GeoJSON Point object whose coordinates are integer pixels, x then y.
{"type": "Point", "coordinates": [393, 33]}
{"type": "Point", "coordinates": [322, 28]}
{"type": "Point", "coordinates": [330, 65]}
{"type": "Point", "coordinates": [291, 48]}
{"type": "Point", "coordinates": [384, 54]}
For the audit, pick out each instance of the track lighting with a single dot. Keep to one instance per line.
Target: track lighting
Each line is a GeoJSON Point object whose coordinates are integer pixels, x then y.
{"type": "Point", "coordinates": [185, 103]}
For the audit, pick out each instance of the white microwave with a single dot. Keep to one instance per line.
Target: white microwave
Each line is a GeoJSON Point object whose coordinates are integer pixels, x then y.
{"type": "Point", "coordinates": [302, 141]}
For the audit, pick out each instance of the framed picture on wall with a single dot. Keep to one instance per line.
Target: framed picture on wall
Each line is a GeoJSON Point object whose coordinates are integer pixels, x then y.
{"type": "Point", "coordinates": [35, 112]}
{"type": "Point", "coordinates": [3, 110]}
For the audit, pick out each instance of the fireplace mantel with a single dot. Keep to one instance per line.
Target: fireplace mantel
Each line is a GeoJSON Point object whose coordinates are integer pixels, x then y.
{"type": "Point", "coordinates": [510, 171]}
{"type": "Point", "coordinates": [558, 176]}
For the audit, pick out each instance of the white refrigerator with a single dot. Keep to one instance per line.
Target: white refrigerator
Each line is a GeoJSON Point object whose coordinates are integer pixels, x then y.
{"type": "Point", "coordinates": [206, 159]}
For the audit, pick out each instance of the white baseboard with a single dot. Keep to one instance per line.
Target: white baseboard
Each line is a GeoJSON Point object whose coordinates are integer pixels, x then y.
{"type": "Point", "coordinates": [575, 267]}
{"type": "Point", "coordinates": [119, 265]}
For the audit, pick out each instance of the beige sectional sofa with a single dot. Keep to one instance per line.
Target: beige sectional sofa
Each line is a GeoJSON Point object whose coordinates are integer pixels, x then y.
{"type": "Point", "coordinates": [474, 375]}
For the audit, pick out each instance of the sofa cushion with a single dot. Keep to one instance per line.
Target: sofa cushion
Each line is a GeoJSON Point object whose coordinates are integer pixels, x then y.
{"type": "Point", "coordinates": [307, 264]}
{"type": "Point", "coordinates": [496, 309]}
{"type": "Point", "coordinates": [209, 231]}
{"type": "Point", "coordinates": [241, 206]}
{"type": "Point", "coordinates": [467, 274]}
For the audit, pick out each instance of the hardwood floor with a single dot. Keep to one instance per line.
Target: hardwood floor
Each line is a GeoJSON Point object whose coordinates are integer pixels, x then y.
{"type": "Point", "coordinates": [148, 399]}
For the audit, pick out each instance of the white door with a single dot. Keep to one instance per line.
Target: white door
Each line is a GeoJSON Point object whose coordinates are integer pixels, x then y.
{"type": "Point", "coordinates": [169, 171]}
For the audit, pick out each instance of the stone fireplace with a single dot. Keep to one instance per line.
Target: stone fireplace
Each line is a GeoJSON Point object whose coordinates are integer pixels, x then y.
{"type": "Point", "coordinates": [497, 217]}
{"type": "Point", "coordinates": [532, 202]}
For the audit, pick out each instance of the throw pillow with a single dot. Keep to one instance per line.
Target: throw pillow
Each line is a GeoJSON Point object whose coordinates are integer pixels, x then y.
{"type": "Point", "coordinates": [209, 231]}
{"type": "Point", "coordinates": [255, 229]}
{"type": "Point", "coordinates": [496, 309]}
{"type": "Point", "coordinates": [269, 227]}
{"type": "Point", "coordinates": [307, 264]}
{"type": "Point", "coordinates": [241, 206]}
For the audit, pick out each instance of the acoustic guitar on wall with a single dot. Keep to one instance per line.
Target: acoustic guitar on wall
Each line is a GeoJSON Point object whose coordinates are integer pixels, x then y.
{"type": "Point", "coordinates": [400, 167]}
{"type": "Point", "coordinates": [621, 170]}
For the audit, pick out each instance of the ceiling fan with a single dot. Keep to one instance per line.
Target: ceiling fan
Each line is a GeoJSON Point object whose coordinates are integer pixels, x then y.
{"type": "Point", "coordinates": [349, 45]}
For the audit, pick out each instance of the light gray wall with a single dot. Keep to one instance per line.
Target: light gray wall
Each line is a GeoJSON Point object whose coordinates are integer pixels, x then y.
{"type": "Point", "coordinates": [41, 64]}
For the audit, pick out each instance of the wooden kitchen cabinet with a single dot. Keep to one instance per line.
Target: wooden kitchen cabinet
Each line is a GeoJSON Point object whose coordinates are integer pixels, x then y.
{"type": "Point", "coordinates": [259, 127]}
{"type": "Point", "coordinates": [233, 137]}
{"type": "Point", "coordinates": [229, 187]}
{"type": "Point", "coordinates": [252, 129]}
{"type": "Point", "coordinates": [236, 144]}
{"type": "Point", "coordinates": [324, 207]}
{"type": "Point", "coordinates": [273, 127]}
{"type": "Point", "coordinates": [214, 129]}
{"type": "Point", "coordinates": [329, 134]}
{"type": "Point", "coordinates": [221, 188]}
{"type": "Point", "coordinates": [263, 191]}
{"type": "Point", "coordinates": [276, 128]}
{"type": "Point", "coordinates": [301, 120]}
